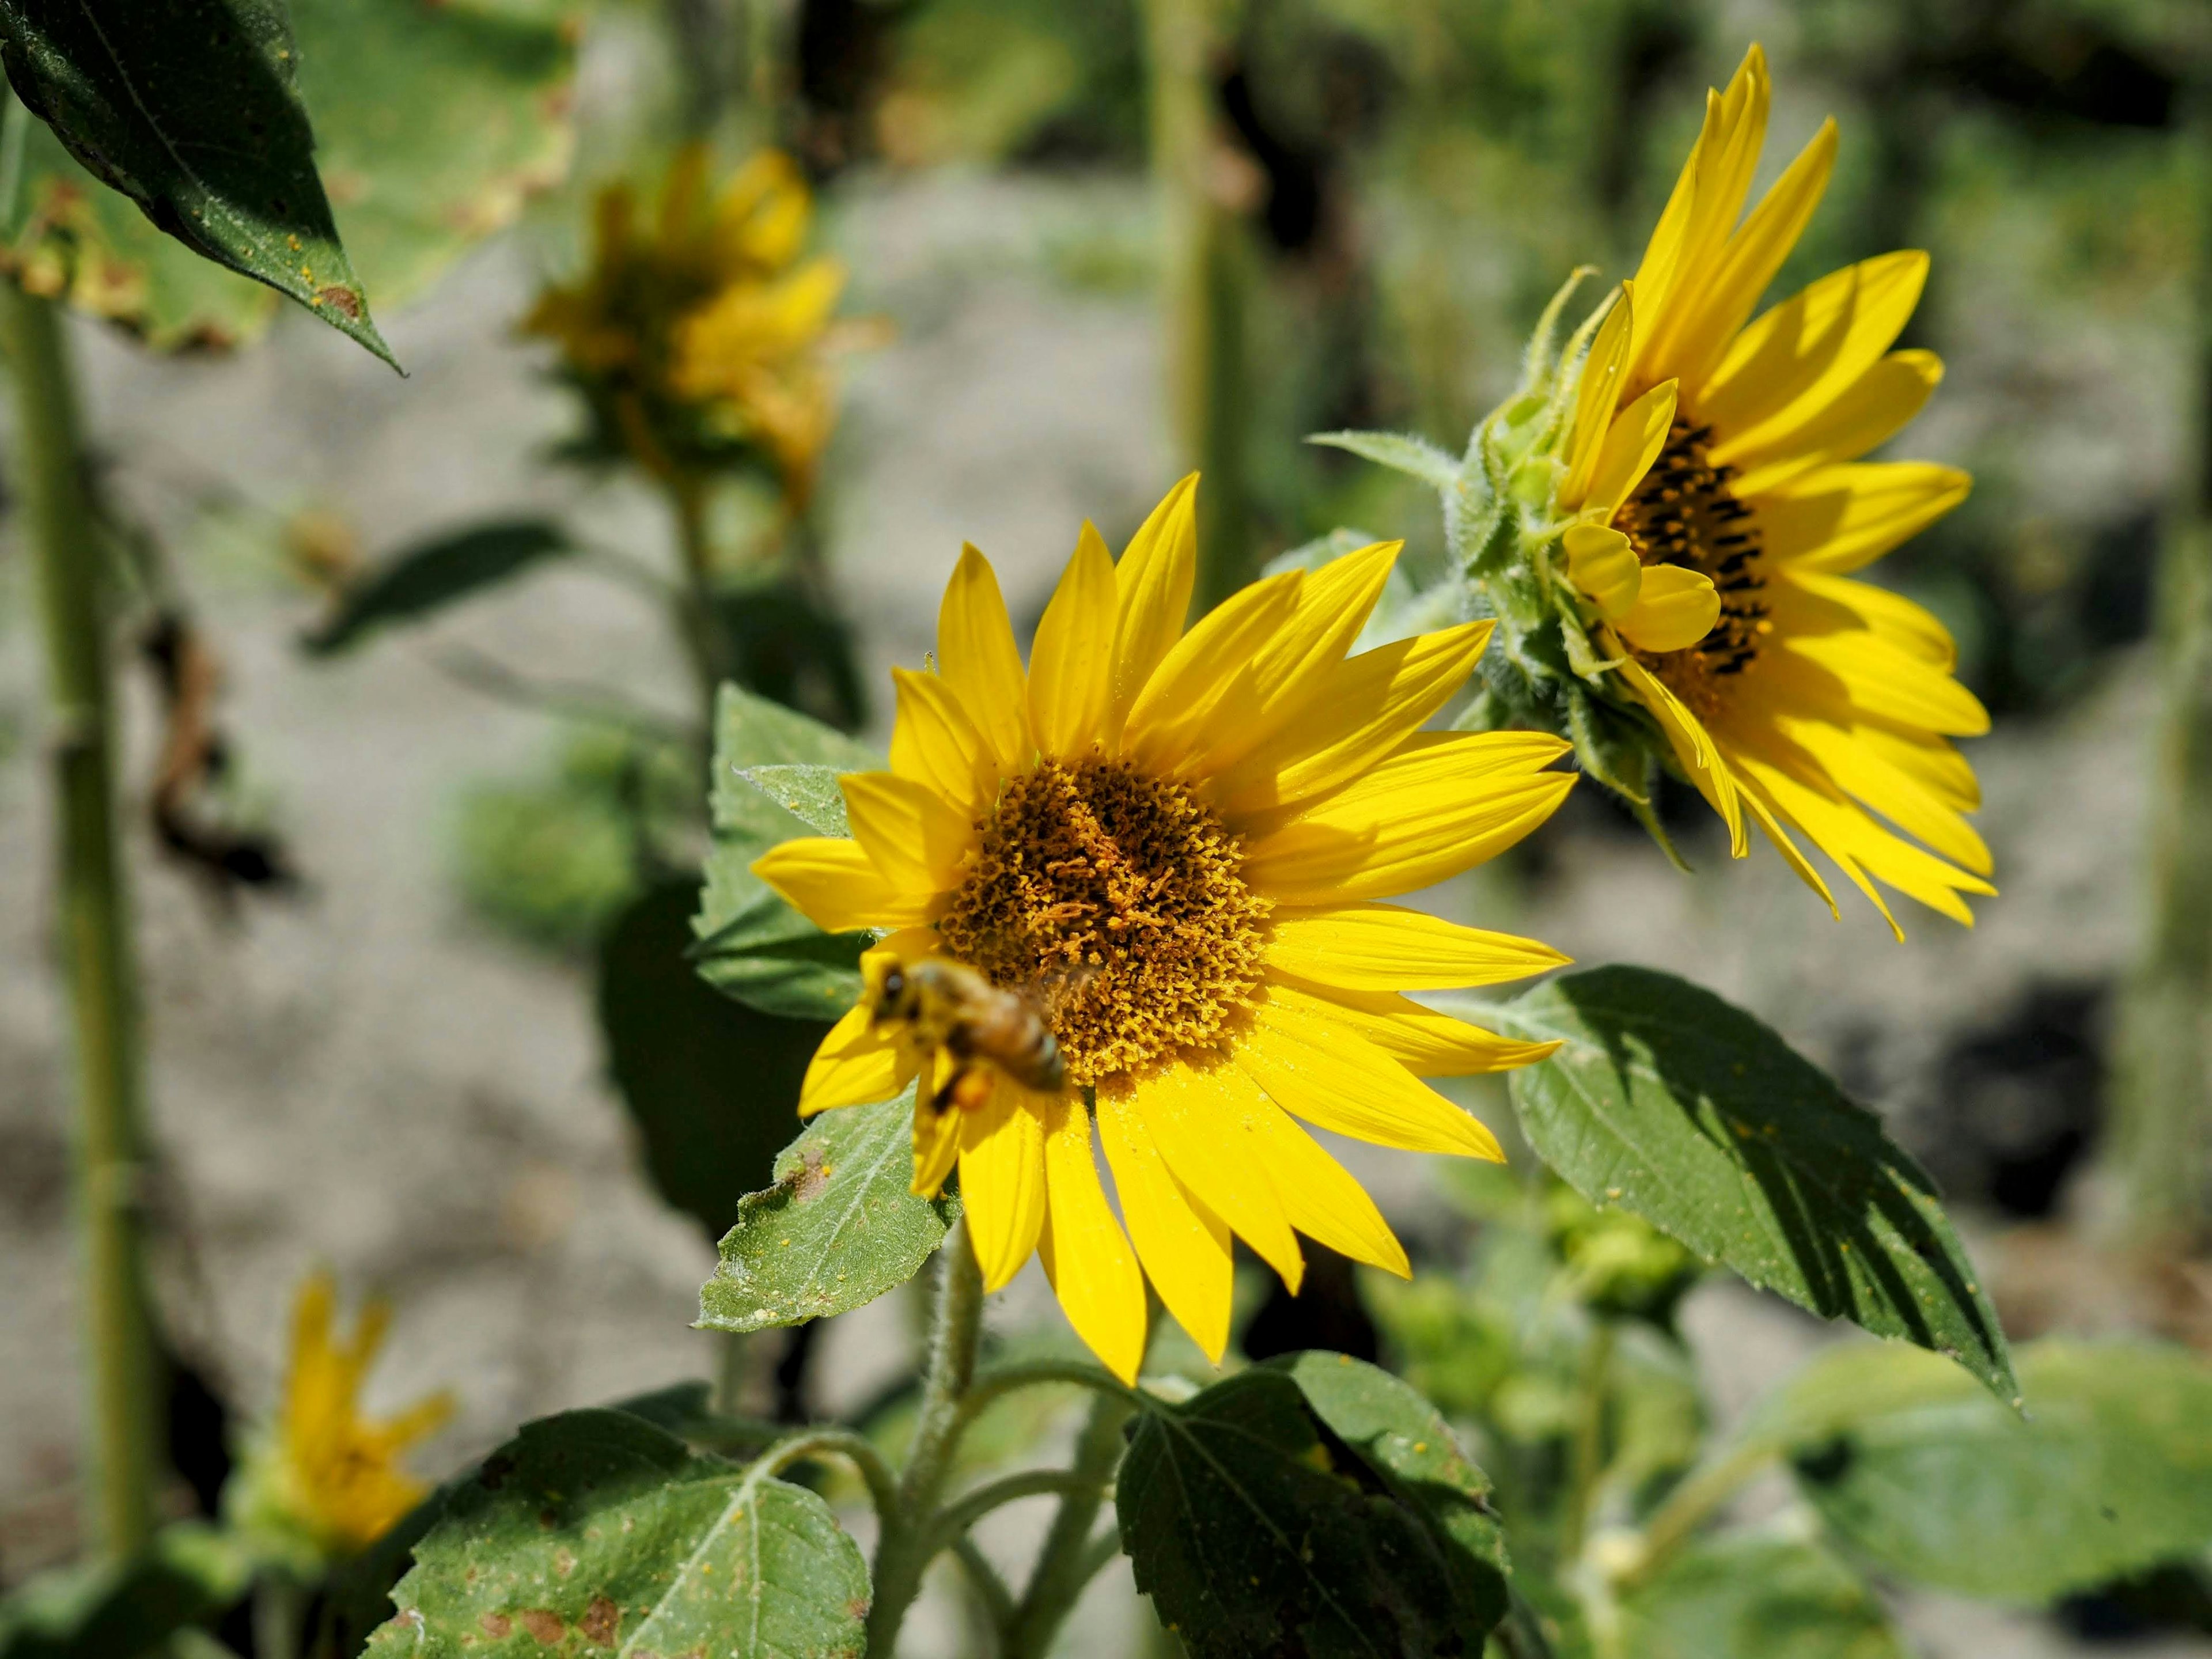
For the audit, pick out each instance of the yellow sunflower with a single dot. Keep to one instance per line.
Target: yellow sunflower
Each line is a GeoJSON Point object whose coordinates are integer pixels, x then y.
{"type": "Point", "coordinates": [323, 1473]}
{"type": "Point", "coordinates": [709, 316]}
{"type": "Point", "coordinates": [1185, 837]}
{"type": "Point", "coordinates": [1712, 472]}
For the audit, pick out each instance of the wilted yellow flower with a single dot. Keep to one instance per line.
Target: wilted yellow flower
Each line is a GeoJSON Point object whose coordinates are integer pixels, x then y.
{"type": "Point", "coordinates": [706, 327]}
{"type": "Point", "coordinates": [1175, 841]}
{"type": "Point", "coordinates": [1712, 472]}
{"type": "Point", "coordinates": [321, 1474]}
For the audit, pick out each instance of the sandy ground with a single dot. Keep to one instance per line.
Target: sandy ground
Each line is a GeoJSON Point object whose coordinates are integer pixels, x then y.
{"type": "Point", "coordinates": [366, 1077]}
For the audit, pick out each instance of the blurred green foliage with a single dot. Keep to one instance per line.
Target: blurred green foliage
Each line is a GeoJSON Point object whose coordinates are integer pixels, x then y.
{"type": "Point", "coordinates": [552, 857]}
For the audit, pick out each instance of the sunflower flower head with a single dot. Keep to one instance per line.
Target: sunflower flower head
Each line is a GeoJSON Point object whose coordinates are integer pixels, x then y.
{"type": "Point", "coordinates": [703, 333]}
{"type": "Point", "coordinates": [321, 1482]}
{"type": "Point", "coordinates": [1129, 902]}
{"type": "Point", "coordinates": [1674, 506]}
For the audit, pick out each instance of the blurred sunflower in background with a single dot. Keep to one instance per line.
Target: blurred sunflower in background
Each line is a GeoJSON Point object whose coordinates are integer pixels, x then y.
{"type": "Point", "coordinates": [703, 336]}
{"type": "Point", "coordinates": [321, 1482]}
{"type": "Point", "coordinates": [1175, 842]}
{"type": "Point", "coordinates": [1717, 505]}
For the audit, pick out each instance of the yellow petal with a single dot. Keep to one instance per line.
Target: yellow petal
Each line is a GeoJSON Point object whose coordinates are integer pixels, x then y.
{"type": "Point", "coordinates": [1841, 518]}
{"type": "Point", "coordinates": [1288, 672]}
{"type": "Point", "coordinates": [1896, 618]}
{"type": "Point", "coordinates": [835, 885]}
{"type": "Point", "coordinates": [1603, 564]}
{"type": "Point", "coordinates": [1695, 751]}
{"type": "Point", "coordinates": [1184, 1247]}
{"type": "Point", "coordinates": [1326, 1073]}
{"type": "Point", "coordinates": [1385, 947]}
{"type": "Point", "coordinates": [936, 1139]}
{"type": "Point", "coordinates": [1596, 396]}
{"type": "Point", "coordinates": [853, 1066]}
{"type": "Point", "coordinates": [1864, 415]}
{"type": "Point", "coordinates": [1810, 347]}
{"type": "Point", "coordinates": [1892, 683]}
{"type": "Point", "coordinates": [1675, 608]}
{"type": "Point", "coordinates": [1693, 231]}
{"type": "Point", "coordinates": [1085, 1252]}
{"type": "Point", "coordinates": [979, 660]}
{"type": "Point", "coordinates": [1632, 443]}
{"type": "Point", "coordinates": [1002, 1179]}
{"type": "Point", "coordinates": [1439, 806]}
{"type": "Point", "coordinates": [1321, 1198]}
{"type": "Point", "coordinates": [1194, 1118]}
{"type": "Point", "coordinates": [1151, 586]}
{"type": "Point", "coordinates": [1862, 771]}
{"type": "Point", "coordinates": [934, 743]}
{"type": "Point", "coordinates": [1362, 711]}
{"type": "Point", "coordinates": [1072, 663]}
{"type": "Point", "coordinates": [1706, 321]}
{"type": "Point", "coordinates": [1208, 678]}
{"type": "Point", "coordinates": [915, 838]}
{"type": "Point", "coordinates": [1427, 1043]}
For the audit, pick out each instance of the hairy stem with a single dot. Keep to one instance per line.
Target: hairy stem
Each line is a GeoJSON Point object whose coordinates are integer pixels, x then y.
{"type": "Point", "coordinates": [909, 1537]}
{"type": "Point", "coordinates": [1064, 1566]}
{"type": "Point", "coordinates": [126, 1432]}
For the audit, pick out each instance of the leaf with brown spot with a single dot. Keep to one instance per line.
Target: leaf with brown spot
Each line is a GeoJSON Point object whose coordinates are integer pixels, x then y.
{"type": "Point", "coordinates": [680, 1549]}
{"type": "Point", "coordinates": [841, 1227]}
{"type": "Point", "coordinates": [543, 1623]}
{"type": "Point", "coordinates": [600, 1622]}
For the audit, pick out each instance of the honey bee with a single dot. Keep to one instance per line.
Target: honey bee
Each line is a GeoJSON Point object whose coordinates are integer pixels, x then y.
{"type": "Point", "coordinates": [947, 1005]}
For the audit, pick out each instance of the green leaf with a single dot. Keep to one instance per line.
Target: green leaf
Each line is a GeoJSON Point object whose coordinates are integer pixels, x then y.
{"type": "Point", "coordinates": [124, 1610]}
{"type": "Point", "coordinates": [1404, 1439]}
{"type": "Point", "coordinates": [809, 794]}
{"type": "Point", "coordinates": [1756, 1596]}
{"type": "Point", "coordinates": [712, 1086]}
{"type": "Point", "coordinates": [841, 1227]}
{"type": "Point", "coordinates": [752, 946]}
{"type": "Point", "coordinates": [2109, 1474]}
{"type": "Point", "coordinates": [432, 574]}
{"type": "Point", "coordinates": [191, 111]}
{"type": "Point", "coordinates": [437, 123]}
{"type": "Point", "coordinates": [596, 1531]}
{"type": "Point", "coordinates": [1256, 1530]}
{"type": "Point", "coordinates": [1400, 452]}
{"type": "Point", "coordinates": [750, 731]}
{"type": "Point", "coordinates": [1671, 1104]}
{"type": "Point", "coordinates": [773, 959]}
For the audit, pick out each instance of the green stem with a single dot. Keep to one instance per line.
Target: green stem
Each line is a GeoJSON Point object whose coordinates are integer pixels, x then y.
{"type": "Point", "coordinates": [965, 1511]}
{"type": "Point", "coordinates": [126, 1436]}
{"type": "Point", "coordinates": [994, 1385]}
{"type": "Point", "coordinates": [1693, 1503]}
{"type": "Point", "coordinates": [1063, 1566]}
{"type": "Point", "coordinates": [1207, 273]}
{"type": "Point", "coordinates": [280, 1617]}
{"type": "Point", "coordinates": [1586, 1453]}
{"type": "Point", "coordinates": [998, 1600]}
{"type": "Point", "coordinates": [2162, 1084]}
{"type": "Point", "coordinates": [855, 1449]}
{"type": "Point", "coordinates": [909, 1540]}
{"type": "Point", "coordinates": [695, 618]}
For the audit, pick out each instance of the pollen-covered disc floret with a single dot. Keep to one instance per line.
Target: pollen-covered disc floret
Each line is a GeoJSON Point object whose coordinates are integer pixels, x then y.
{"type": "Point", "coordinates": [1115, 898]}
{"type": "Point", "coordinates": [1130, 900]}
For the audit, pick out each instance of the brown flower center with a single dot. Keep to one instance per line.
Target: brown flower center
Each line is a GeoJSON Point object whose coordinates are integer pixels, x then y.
{"type": "Point", "coordinates": [1685, 514]}
{"type": "Point", "coordinates": [1115, 898]}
